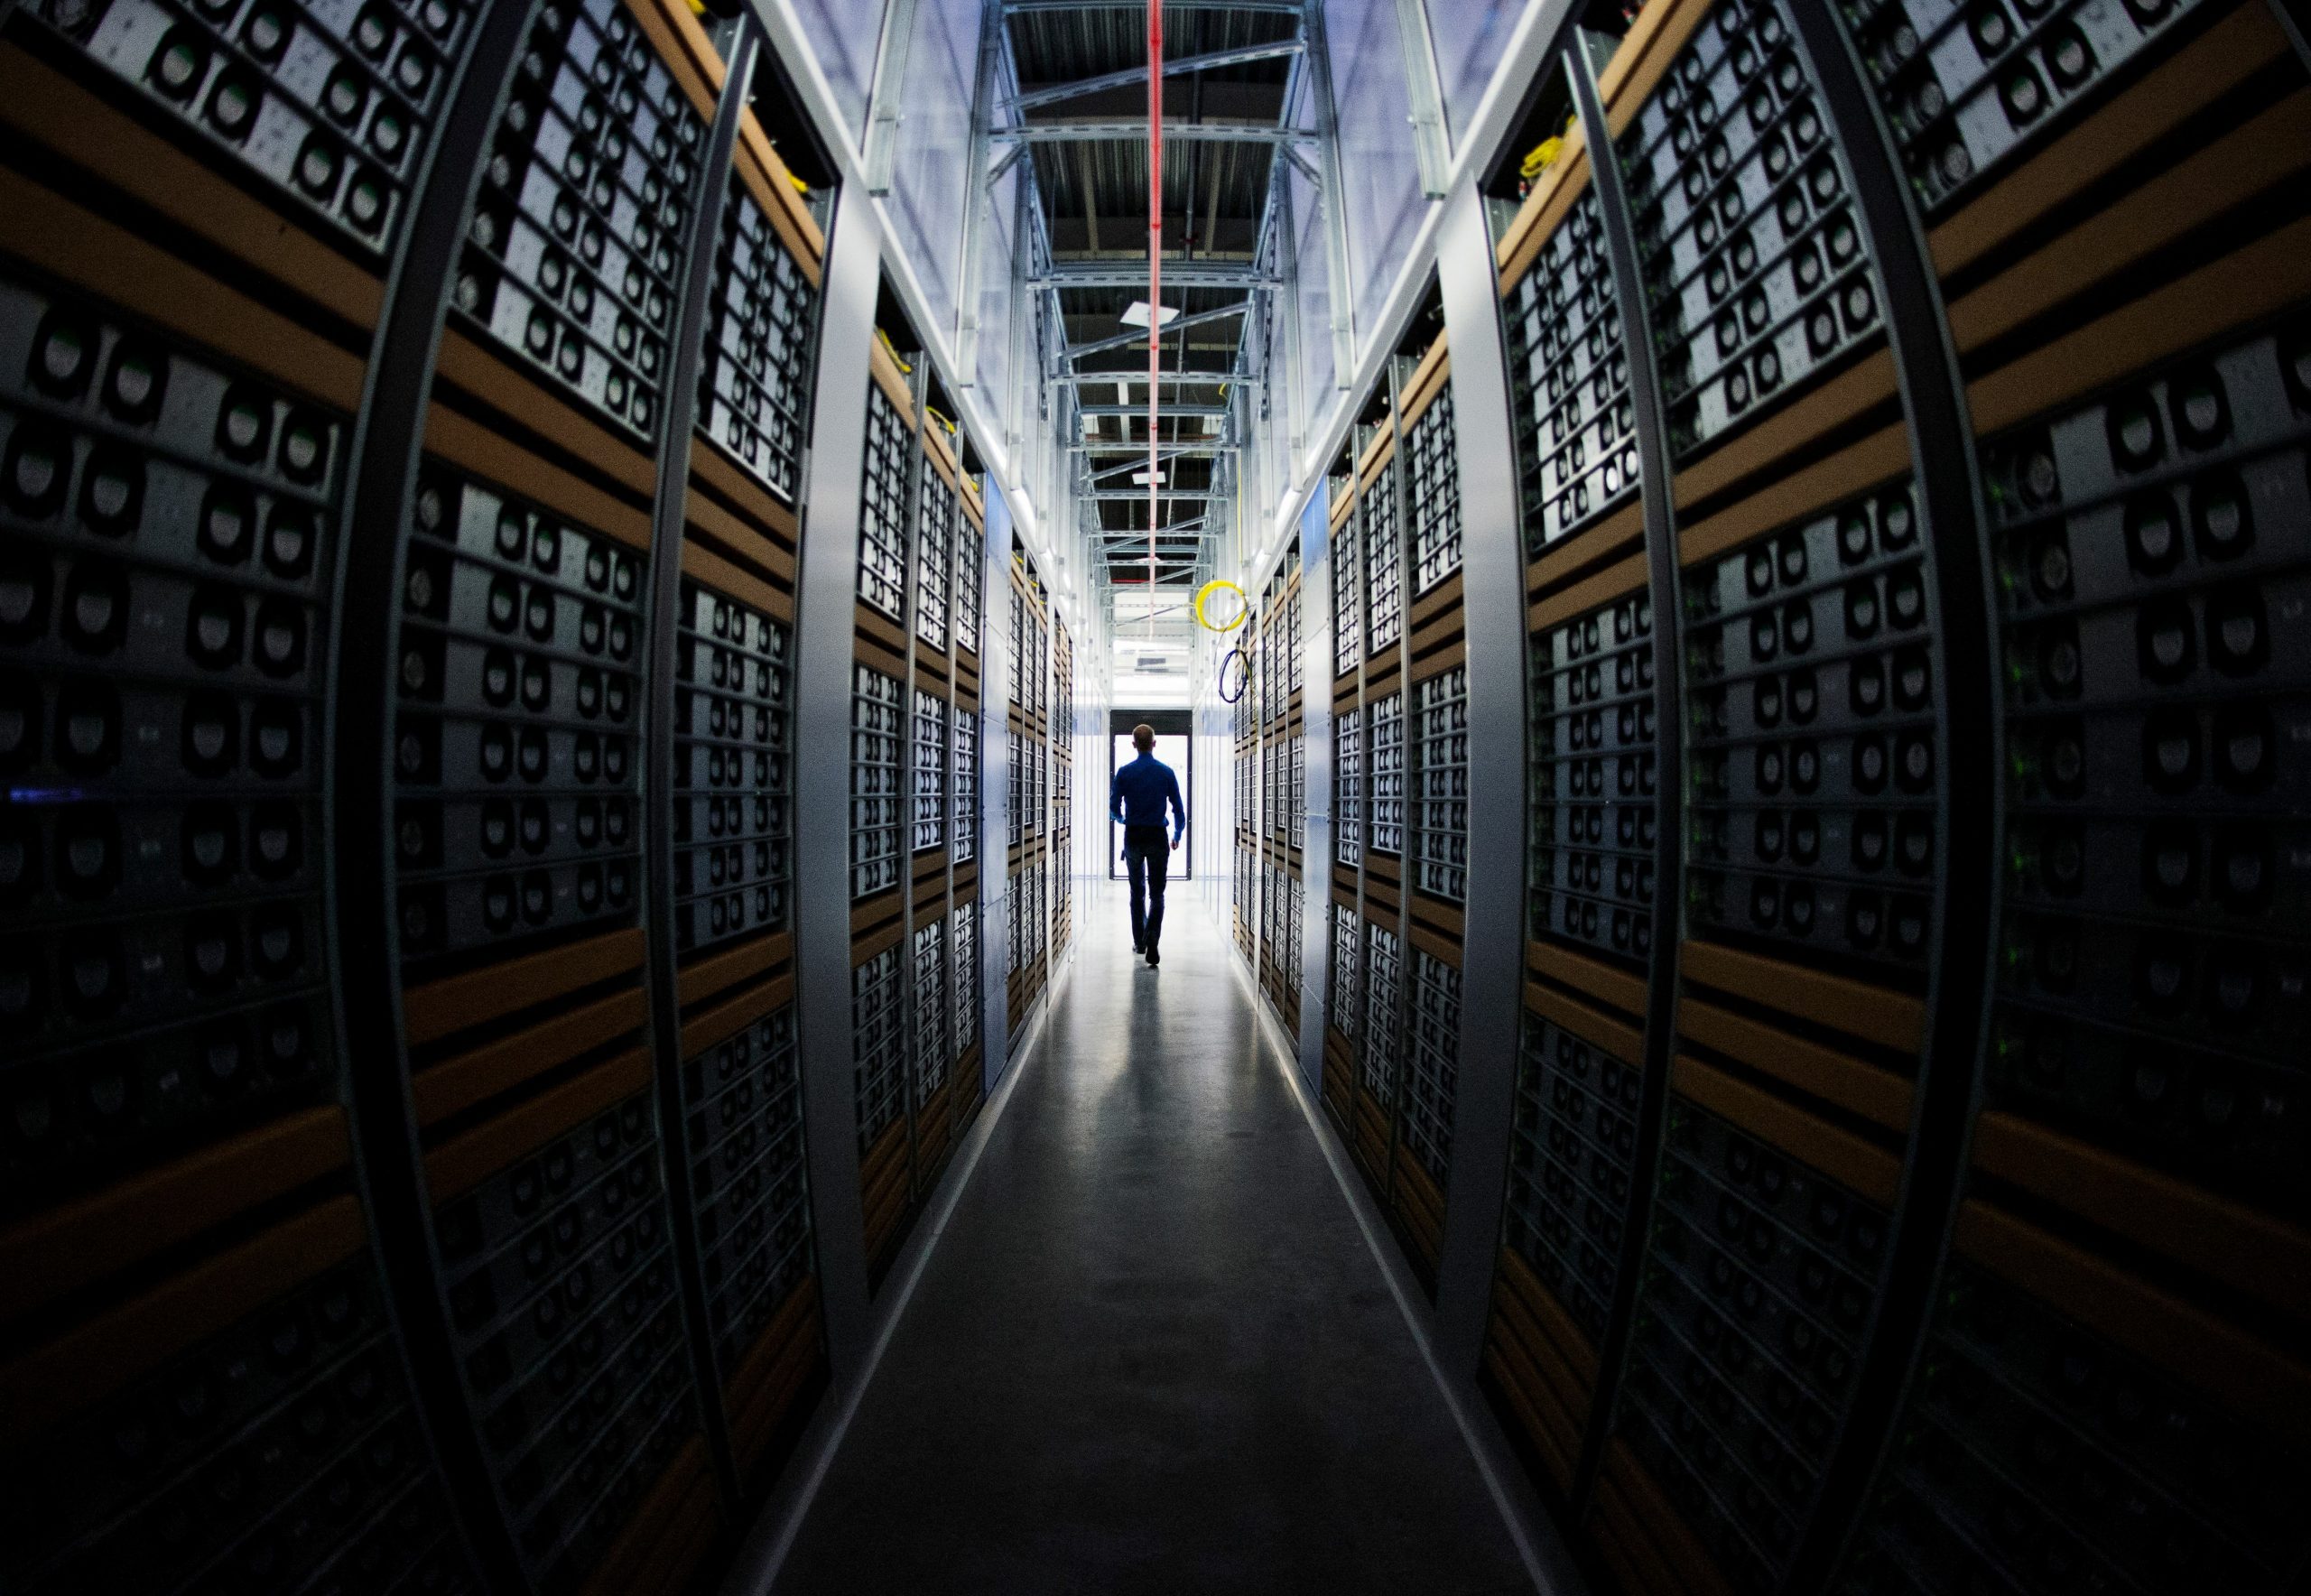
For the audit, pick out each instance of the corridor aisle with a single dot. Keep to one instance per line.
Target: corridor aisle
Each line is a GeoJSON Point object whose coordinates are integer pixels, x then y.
{"type": "Point", "coordinates": [1152, 1352]}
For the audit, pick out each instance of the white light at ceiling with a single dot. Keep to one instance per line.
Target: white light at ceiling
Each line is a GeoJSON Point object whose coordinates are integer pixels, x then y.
{"type": "Point", "coordinates": [1136, 316]}
{"type": "Point", "coordinates": [1141, 478]}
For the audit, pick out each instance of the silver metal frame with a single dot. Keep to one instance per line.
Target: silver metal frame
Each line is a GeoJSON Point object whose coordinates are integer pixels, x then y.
{"type": "Point", "coordinates": [827, 582]}
{"type": "Point", "coordinates": [1492, 941]}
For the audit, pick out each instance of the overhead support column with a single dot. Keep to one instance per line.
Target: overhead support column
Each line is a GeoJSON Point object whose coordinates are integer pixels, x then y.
{"type": "Point", "coordinates": [887, 101]}
{"type": "Point", "coordinates": [978, 202]}
{"type": "Point", "coordinates": [1431, 143]}
{"type": "Point", "coordinates": [1338, 294]}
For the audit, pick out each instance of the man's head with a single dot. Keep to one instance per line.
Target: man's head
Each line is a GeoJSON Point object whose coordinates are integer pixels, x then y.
{"type": "Point", "coordinates": [1142, 737]}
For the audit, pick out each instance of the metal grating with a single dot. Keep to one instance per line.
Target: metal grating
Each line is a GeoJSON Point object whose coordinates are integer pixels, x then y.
{"type": "Point", "coordinates": [1384, 569]}
{"type": "Point", "coordinates": [963, 832]}
{"type": "Point", "coordinates": [1441, 772]}
{"type": "Point", "coordinates": [1431, 1064]}
{"type": "Point", "coordinates": [581, 217]}
{"type": "Point", "coordinates": [1347, 1004]}
{"type": "Point", "coordinates": [877, 717]}
{"type": "Point", "coordinates": [1433, 487]}
{"type": "Point", "coordinates": [754, 385]}
{"type": "Point", "coordinates": [329, 107]}
{"type": "Point", "coordinates": [882, 509]}
{"type": "Point", "coordinates": [1348, 786]}
{"type": "Point", "coordinates": [878, 1046]}
{"type": "Point", "coordinates": [934, 556]}
{"type": "Point", "coordinates": [1754, 265]}
{"type": "Point", "coordinates": [932, 799]}
{"type": "Point", "coordinates": [734, 779]}
{"type": "Point", "coordinates": [517, 729]}
{"type": "Point", "coordinates": [1573, 1137]}
{"type": "Point", "coordinates": [1594, 770]}
{"type": "Point", "coordinates": [1386, 740]}
{"type": "Point", "coordinates": [933, 1004]}
{"type": "Point", "coordinates": [1347, 595]}
{"type": "Point", "coordinates": [1383, 1014]}
{"type": "Point", "coordinates": [744, 1102]}
{"type": "Point", "coordinates": [526, 1305]}
{"type": "Point", "coordinates": [1811, 695]}
{"type": "Point", "coordinates": [1734, 1412]}
{"type": "Point", "coordinates": [1568, 375]}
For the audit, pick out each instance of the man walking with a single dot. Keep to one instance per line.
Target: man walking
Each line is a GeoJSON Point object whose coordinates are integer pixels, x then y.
{"type": "Point", "coordinates": [1137, 797]}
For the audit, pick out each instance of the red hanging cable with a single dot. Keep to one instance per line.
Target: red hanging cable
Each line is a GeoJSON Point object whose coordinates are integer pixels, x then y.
{"type": "Point", "coordinates": [1154, 278]}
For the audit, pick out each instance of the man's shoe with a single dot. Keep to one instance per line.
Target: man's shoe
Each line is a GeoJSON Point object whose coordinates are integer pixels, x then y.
{"type": "Point", "coordinates": [1139, 947]}
{"type": "Point", "coordinates": [1153, 960]}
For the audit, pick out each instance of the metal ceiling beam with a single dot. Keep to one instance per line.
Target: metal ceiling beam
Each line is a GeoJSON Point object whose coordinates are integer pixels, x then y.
{"type": "Point", "coordinates": [1173, 66]}
{"type": "Point", "coordinates": [1432, 148]}
{"type": "Point", "coordinates": [1081, 379]}
{"type": "Point", "coordinates": [1265, 7]}
{"type": "Point", "coordinates": [1139, 335]}
{"type": "Point", "coordinates": [1199, 274]}
{"type": "Point", "coordinates": [1169, 410]}
{"type": "Point", "coordinates": [1139, 448]}
{"type": "Point", "coordinates": [1141, 463]}
{"type": "Point", "coordinates": [1140, 496]}
{"type": "Point", "coordinates": [1210, 133]}
{"type": "Point", "coordinates": [888, 98]}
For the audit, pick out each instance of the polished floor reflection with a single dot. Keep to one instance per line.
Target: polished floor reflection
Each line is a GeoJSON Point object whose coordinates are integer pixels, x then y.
{"type": "Point", "coordinates": [1152, 1351]}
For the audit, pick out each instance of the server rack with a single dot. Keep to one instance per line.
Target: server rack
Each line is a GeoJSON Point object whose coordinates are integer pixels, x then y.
{"type": "Point", "coordinates": [1063, 789]}
{"type": "Point", "coordinates": [1398, 874]}
{"type": "Point", "coordinates": [918, 1074]}
{"type": "Point", "coordinates": [1888, 439]}
{"type": "Point", "coordinates": [1029, 864]}
{"type": "Point", "coordinates": [1279, 750]}
{"type": "Point", "coordinates": [500, 1347]}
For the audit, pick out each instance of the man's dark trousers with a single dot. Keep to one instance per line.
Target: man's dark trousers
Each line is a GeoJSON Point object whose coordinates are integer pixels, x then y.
{"type": "Point", "coordinates": [1147, 851]}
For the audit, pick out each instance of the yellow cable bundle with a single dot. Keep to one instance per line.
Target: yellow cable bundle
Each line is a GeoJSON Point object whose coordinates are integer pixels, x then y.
{"type": "Point", "coordinates": [892, 350]}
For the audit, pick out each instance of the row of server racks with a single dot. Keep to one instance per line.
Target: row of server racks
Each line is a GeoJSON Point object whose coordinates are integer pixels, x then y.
{"type": "Point", "coordinates": [1895, 1184]}
{"type": "Point", "coordinates": [1038, 712]}
{"type": "Point", "coordinates": [403, 425]}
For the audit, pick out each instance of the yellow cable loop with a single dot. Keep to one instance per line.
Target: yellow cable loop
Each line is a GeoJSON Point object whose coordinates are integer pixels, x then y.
{"type": "Point", "coordinates": [1205, 592]}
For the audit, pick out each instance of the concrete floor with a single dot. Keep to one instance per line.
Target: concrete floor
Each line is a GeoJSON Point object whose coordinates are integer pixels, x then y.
{"type": "Point", "coordinates": [1152, 1351]}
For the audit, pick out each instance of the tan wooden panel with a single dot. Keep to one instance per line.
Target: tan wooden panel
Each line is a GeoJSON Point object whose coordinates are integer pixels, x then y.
{"type": "Point", "coordinates": [47, 1255]}
{"type": "Point", "coordinates": [1890, 1019]}
{"type": "Point", "coordinates": [490, 455]}
{"type": "Point", "coordinates": [2251, 1251]}
{"type": "Point", "coordinates": [2266, 1385]}
{"type": "Point", "coordinates": [2116, 135]}
{"type": "Point", "coordinates": [43, 104]}
{"type": "Point", "coordinates": [464, 1161]}
{"type": "Point", "coordinates": [1859, 1166]}
{"type": "Point", "coordinates": [460, 1002]}
{"type": "Point", "coordinates": [505, 1062]}
{"type": "Point", "coordinates": [81, 1367]}
{"type": "Point", "coordinates": [114, 263]}
{"type": "Point", "coordinates": [1875, 1093]}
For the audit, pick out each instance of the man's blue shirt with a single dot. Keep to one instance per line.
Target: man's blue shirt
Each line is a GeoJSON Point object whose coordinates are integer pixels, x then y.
{"type": "Point", "coordinates": [1139, 791]}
